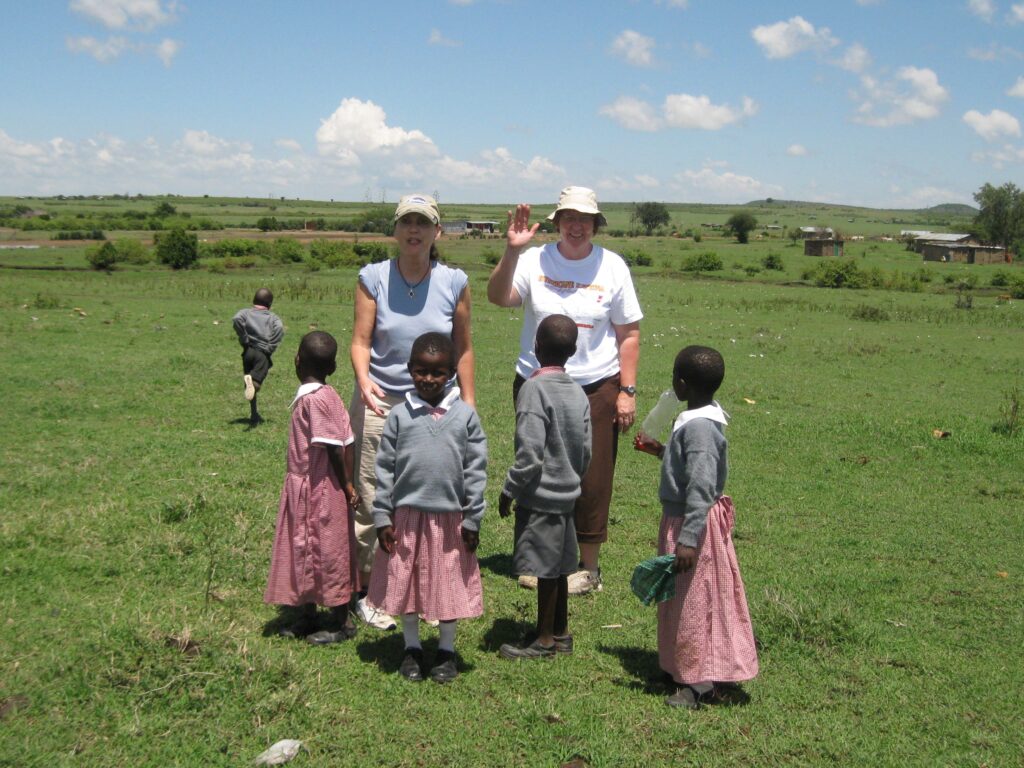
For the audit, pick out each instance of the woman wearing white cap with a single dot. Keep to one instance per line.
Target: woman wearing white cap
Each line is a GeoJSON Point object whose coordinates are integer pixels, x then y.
{"type": "Point", "coordinates": [593, 286]}
{"type": "Point", "coordinates": [396, 301]}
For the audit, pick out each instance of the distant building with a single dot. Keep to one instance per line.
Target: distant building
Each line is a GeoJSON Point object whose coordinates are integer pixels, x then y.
{"type": "Point", "coordinates": [823, 246]}
{"type": "Point", "coordinates": [464, 227]}
{"type": "Point", "coordinates": [942, 238]}
{"type": "Point", "coordinates": [964, 253]}
{"type": "Point", "coordinates": [816, 233]}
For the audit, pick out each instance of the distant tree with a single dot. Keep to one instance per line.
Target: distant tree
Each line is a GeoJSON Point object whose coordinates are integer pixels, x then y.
{"type": "Point", "coordinates": [1000, 219]}
{"type": "Point", "coordinates": [164, 209]}
{"type": "Point", "coordinates": [131, 251]}
{"type": "Point", "coordinates": [268, 224]}
{"type": "Point", "coordinates": [177, 248]}
{"type": "Point", "coordinates": [741, 224]}
{"type": "Point", "coordinates": [650, 216]}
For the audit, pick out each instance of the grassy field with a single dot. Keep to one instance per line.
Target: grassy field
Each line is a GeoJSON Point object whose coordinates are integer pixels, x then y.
{"type": "Point", "coordinates": [883, 564]}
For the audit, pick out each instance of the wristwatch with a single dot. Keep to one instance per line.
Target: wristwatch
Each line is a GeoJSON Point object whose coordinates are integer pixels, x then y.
{"type": "Point", "coordinates": [630, 390]}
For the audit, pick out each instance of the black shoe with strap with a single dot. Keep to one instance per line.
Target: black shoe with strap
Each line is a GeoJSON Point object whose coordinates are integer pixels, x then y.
{"type": "Point", "coordinates": [412, 665]}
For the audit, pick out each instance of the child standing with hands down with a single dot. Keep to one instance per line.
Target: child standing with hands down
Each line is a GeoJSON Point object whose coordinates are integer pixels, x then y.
{"type": "Point", "coordinates": [704, 632]}
{"type": "Point", "coordinates": [259, 332]}
{"type": "Point", "coordinates": [313, 561]}
{"type": "Point", "coordinates": [552, 454]}
{"type": "Point", "coordinates": [431, 471]}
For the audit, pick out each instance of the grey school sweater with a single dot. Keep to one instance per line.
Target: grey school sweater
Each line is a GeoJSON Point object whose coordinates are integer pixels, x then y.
{"type": "Point", "coordinates": [258, 328]}
{"type": "Point", "coordinates": [693, 472]}
{"type": "Point", "coordinates": [436, 466]}
{"type": "Point", "coordinates": [552, 444]}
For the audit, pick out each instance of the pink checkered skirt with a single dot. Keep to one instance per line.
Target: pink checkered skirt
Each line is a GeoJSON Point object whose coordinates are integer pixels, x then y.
{"type": "Point", "coordinates": [430, 571]}
{"type": "Point", "coordinates": [704, 632]}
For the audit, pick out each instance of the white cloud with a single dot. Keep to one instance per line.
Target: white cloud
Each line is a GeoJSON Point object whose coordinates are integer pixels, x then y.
{"type": "Point", "coordinates": [141, 15]}
{"type": "Point", "coordinates": [679, 110]}
{"type": "Point", "coordinates": [868, 2]}
{"type": "Point", "coordinates": [461, 2]}
{"type": "Point", "coordinates": [290, 145]}
{"type": "Point", "coordinates": [166, 50]}
{"type": "Point", "coordinates": [699, 50]}
{"type": "Point", "coordinates": [673, 3]}
{"type": "Point", "coordinates": [632, 113]}
{"type": "Point", "coordinates": [617, 186]}
{"type": "Point", "coordinates": [436, 38]}
{"type": "Point", "coordinates": [855, 59]}
{"type": "Point", "coordinates": [1017, 89]}
{"type": "Point", "coordinates": [993, 125]}
{"type": "Point", "coordinates": [634, 48]}
{"type": "Point", "coordinates": [796, 150]}
{"type": "Point", "coordinates": [358, 127]}
{"type": "Point", "coordinates": [1000, 158]}
{"type": "Point", "coordinates": [725, 187]}
{"type": "Point", "coordinates": [916, 94]}
{"type": "Point", "coordinates": [788, 38]}
{"type": "Point", "coordinates": [1016, 15]}
{"type": "Point", "coordinates": [101, 50]}
{"type": "Point", "coordinates": [685, 111]}
{"type": "Point", "coordinates": [10, 147]}
{"type": "Point", "coordinates": [995, 52]}
{"type": "Point", "coordinates": [983, 9]}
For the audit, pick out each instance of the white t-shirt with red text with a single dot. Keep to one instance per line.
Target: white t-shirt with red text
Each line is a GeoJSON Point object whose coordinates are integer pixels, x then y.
{"type": "Point", "coordinates": [596, 292]}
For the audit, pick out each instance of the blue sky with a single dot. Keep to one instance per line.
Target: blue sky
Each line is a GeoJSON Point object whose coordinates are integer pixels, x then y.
{"type": "Point", "coordinates": [867, 102]}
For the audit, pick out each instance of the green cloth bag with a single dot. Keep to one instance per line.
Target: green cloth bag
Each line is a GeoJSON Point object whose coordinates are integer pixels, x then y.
{"type": "Point", "coordinates": [653, 580]}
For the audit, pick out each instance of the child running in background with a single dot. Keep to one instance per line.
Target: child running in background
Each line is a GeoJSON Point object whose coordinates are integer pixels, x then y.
{"type": "Point", "coordinates": [259, 332]}
{"type": "Point", "coordinates": [431, 472]}
{"type": "Point", "coordinates": [313, 561]}
{"type": "Point", "coordinates": [552, 454]}
{"type": "Point", "coordinates": [705, 639]}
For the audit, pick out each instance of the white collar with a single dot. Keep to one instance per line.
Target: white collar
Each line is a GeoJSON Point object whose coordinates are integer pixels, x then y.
{"type": "Point", "coordinates": [419, 403]}
{"type": "Point", "coordinates": [305, 389]}
{"type": "Point", "coordinates": [713, 412]}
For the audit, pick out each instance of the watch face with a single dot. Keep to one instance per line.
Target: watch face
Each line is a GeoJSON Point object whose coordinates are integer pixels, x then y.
{"type": "Point", "coordinates": [631, 390]}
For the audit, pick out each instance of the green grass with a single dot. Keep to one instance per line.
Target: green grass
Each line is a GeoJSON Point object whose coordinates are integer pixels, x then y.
{"type": "Point", "coordinates": [883, 565]}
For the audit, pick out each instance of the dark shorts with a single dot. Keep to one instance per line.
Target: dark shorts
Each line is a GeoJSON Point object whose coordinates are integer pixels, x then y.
{"type": "Point", "coordinates": [545, 544]}
{"type": "Point", "coordinates": [256, 363]}
{"type": "Point", "coordinates": [596, 489]}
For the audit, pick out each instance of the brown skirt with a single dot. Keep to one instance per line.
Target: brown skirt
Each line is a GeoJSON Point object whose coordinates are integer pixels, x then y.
{"type": "Point", "coordinates": [591, 510]}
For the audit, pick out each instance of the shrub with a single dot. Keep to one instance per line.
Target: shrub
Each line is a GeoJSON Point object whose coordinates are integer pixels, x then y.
{"type": "Point", "coordinates": [772, 261]}
{"type": "Point", "coordinates": [177, 248]}
{"type": "Point", "coordinates": [102, 257]}
{"type": "Point", "coordinates": [268, 224]}
{"type": "Point", "coordinates": [869, 313]}
{"type": "Point", "coordinates": [635, 257]}
{"type": "Point", "coordinates": [491, 256]}
{"type": "Point", "coordinates": [752, 269]}
{"type": "Point", "coordinates": [370, 253]}
{"type": "Point", "coordinates": [287, 251]}
{"type": "Point", "coordinates": [832, 273]}
{"type": "Point", "coordinates": [132, 251]}
{"type": "Point", "coordinates": [333, 253]}
{"type": "Point", "coordinates": [708, 261]}
{"type": "Point", "coordinates": [1000, 279]}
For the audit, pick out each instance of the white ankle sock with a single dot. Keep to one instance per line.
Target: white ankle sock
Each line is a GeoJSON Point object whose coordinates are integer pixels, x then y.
{"type": "Point", "coordinates": [411, 630]}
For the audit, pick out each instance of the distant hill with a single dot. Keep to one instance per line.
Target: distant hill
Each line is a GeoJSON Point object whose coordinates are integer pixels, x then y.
{"type": "Point", "coordinates": [953, 209]}
{"type": "Point", "coordinates": [945, 209]}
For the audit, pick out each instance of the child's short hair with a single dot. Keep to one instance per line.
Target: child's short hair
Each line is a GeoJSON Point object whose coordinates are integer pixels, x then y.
{"type": "Point", "coordinates": [701, 368]}
{"type": "Point", "coordinates": [556, 339]}
{"type": "Point", "coordinates": [318, 350]}
{"type": "Point", "coordinates": [436, 343]}
{"type": "Point", "coordinates": [263, 297]}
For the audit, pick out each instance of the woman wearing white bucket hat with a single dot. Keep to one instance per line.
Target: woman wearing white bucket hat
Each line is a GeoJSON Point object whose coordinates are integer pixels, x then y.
{"type": "Point", "coordinates": [396, 301]}
{"type": "Point", "coordinates": [593, 286]}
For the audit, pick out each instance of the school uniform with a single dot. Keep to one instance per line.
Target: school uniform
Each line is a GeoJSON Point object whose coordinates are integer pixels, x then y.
{"type": "Point", "coordinates": [431, 470]}
{"type": "Point", "coordinates": [553, 451]}
{"type": "Point", "coordinates": [704, 631]}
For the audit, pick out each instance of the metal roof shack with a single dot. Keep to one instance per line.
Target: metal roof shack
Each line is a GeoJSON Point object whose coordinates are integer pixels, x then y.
{"type": "Point", "coordinates": [817, 233]}
{"type": "Point", "coordinates": [964, 253]}
{"type": "Point", "coordinates": [823, 246]}
{"type": "Point", "coordinates": [463, 227]}
{"type": "Point", "coordinates": [943, 238]}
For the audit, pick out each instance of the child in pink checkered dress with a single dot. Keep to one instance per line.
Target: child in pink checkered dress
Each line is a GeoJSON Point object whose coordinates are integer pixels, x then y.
{"type": "Point", "coordinates": [431, 471]}
{"type": "Point", "coordinates": [313, 561]}
{"type": "Point", "coordinates": [705, 640]}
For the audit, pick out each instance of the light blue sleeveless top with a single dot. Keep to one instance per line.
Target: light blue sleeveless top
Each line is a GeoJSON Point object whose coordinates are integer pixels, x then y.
{"type": "Point", "coordinates": [401, 318]}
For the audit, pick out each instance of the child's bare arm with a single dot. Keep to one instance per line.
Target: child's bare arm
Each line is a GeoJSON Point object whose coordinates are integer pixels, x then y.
{"type": "Point", "coordinates": [649, 445]}
{"type": "Point", "coordinates": [341, 462]}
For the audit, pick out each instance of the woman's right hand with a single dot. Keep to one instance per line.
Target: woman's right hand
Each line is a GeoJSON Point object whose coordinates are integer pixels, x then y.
{"type": "Point", "coordinates": [369, 392]}
{"type": "Point", "coordinates": [519, 231]}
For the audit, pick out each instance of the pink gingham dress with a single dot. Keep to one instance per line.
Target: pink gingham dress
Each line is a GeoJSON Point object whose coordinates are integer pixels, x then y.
{"type": "Point", "coordinates": [704, 632]}
{"type": "Point", "coordinates": [430, 572]}
{"type": "Point", "coordinates": [313, 559]}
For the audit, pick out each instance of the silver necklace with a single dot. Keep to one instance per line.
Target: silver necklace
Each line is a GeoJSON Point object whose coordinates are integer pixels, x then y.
{"type": "Point", "coordinates": [412, 288]}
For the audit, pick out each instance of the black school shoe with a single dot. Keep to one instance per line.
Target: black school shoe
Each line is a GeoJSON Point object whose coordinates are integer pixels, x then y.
{"type": "Point", "coordinates": [328, 636]}
{"type": "Point", "coordinates": [686, 697]}
{"type": "Point", "coordinates": [444, 669]}
{"type": "Point", "coordinates": [412, 665]}
{"type": "Point", "coordinates": [532, 651]}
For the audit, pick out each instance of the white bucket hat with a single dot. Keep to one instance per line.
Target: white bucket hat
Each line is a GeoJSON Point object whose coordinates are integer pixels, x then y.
{"type": "Point", "coordinates": [582, 199]}
{"type": "Point", "coordinates": [423, 204]}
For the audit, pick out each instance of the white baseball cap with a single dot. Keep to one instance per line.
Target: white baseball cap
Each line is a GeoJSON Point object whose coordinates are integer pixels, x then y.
{"type": "Point", "coordinates": [424, 204]}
